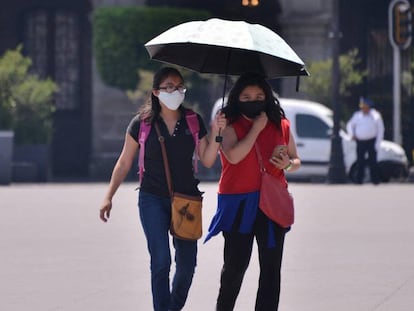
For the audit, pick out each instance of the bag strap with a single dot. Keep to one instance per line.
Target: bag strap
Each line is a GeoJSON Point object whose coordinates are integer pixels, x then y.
{"type": "Point", "coordinates": [165, 159]}
{"type": "Point", "coordinates": [144, 130]}
{"type": "Point", "coordinates": [259, 158]}
{"type": "Point", "coordinates": [194, 126]}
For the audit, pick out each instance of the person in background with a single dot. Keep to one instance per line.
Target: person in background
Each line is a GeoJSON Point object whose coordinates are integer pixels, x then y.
{"type": "Point", "coordinates": [367, 129]}
{"type": "Point", "coordinates": [254, 116]}
{"type": "Point", "coordinates": [164, 106]}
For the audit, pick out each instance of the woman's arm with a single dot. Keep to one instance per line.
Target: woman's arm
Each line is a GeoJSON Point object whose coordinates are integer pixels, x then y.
{"type": "Point", "coordinates": [236, 150]}
{"type": "Point", "coordinates": [289, 161]}
{"type": "Point", "coordinates": [208, 147]}
{"type": "Point", "coordinates": [120, 171]}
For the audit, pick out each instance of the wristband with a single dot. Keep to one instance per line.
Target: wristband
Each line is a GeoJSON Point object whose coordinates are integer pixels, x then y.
{"type": "Point", "coordinates": [287, 168]}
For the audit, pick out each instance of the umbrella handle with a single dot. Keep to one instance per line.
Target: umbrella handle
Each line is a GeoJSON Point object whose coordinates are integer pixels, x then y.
{"type": "Point", "coordinates": [219, 138]}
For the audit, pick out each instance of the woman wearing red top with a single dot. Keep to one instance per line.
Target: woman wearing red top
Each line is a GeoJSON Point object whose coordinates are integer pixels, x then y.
{"type": "Point", "coordinates": [254, 116]}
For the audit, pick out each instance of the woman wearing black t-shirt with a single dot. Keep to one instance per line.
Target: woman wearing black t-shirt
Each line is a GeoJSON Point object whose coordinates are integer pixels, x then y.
{"type": "Point", "coordinates": [164, 107]}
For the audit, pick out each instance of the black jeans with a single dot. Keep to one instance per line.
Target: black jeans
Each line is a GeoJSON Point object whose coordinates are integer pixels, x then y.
{"type": "Point", "coordinates": [237, 253]}
{"type": "Point", "coordinates": [364, 147]}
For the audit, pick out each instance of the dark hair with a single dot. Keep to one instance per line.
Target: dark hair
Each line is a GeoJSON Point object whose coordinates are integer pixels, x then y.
{"type": "Point", "coordinates": [273, 110]}
{"type": "Point", "coordinates": [152, 108]}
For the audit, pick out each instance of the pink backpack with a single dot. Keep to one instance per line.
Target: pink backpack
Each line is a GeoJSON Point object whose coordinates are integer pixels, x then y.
{"type": "Point", "coordinates": [145, 129]}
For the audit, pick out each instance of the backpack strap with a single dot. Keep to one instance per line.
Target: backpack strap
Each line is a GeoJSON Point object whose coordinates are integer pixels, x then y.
{"type": "Point", "coordinates": [194, 126]}
{"type": "Point", "coordinates": [144, 130]}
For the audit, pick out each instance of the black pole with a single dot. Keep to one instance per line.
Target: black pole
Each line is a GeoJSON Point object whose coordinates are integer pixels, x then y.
{"type": "Point", "coordinates": [219, 138]}
{"type": "Point", "coordinates": [336, 173]}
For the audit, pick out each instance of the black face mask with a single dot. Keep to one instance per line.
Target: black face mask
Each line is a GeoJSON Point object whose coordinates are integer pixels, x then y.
{"type": "Point", "coordinates": [252, 109]}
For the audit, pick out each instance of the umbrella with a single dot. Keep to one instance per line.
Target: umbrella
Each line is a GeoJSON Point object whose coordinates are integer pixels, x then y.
{"type": "Point", "coordinates": [226, 47]}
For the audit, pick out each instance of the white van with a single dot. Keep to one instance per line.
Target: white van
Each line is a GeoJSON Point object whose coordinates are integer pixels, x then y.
{"type": "Point", "coordinates": [312, 124]}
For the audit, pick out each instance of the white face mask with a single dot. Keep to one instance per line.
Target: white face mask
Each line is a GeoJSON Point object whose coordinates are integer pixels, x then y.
{"type": "Point", "coordinates": [171, 100]}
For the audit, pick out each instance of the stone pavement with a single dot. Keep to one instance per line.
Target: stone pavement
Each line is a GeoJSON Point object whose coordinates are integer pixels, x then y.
{"type": "Point", "coordinates": [351, 249]}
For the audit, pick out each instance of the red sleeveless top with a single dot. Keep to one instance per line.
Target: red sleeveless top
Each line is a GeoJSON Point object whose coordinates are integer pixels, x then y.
{"type": "Point", "coordinates": [245, 176]}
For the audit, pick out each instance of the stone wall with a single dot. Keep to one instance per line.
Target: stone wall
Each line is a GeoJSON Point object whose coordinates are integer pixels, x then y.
{"type": "Point", "coordinates": [305, 26]}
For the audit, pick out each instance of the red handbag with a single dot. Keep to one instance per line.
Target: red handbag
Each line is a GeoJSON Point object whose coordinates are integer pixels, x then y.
{"type": "Point", "coordinates": [275, 200]}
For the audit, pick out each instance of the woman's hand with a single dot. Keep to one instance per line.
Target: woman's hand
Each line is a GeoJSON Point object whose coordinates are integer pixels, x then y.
{"type": "Point", "coordinates": [289, 161]}
{"type": "Point", "coordinates": [219, 122]}
{"type": "Point", "coordinates": [281, 162]}
{"type": "Point", "coordinates": [259, 122]}
{"type": "Point", "coordinates": [105, 210]}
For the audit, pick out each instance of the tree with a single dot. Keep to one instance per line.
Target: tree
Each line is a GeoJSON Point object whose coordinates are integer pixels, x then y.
{"type": "Point", "coordinates": [318, 85]}
{"type": "Point", "coordinates": [26, 102]}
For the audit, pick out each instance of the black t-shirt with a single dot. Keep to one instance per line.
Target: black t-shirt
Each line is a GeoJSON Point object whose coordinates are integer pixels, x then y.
{"type": "Point", "coordinates": [180, 149]}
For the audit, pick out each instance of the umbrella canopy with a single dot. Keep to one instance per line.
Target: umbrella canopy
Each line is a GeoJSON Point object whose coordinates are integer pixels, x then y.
{"type": "Point", "coordinates": [226, 47]}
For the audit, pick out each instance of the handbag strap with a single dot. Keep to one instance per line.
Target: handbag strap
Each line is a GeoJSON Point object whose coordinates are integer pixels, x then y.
{"type": "Point", "coordinates": [161, 139]}
{"type": "Point", "coordinates": [259, 157]}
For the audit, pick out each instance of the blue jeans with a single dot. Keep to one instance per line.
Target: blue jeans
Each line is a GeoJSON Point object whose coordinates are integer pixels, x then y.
{"type": "Point", "coordinates": [155, 214]}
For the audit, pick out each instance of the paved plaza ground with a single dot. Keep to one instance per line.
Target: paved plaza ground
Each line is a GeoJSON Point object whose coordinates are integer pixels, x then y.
{"type": "Point", "coordinates": [351, 249]}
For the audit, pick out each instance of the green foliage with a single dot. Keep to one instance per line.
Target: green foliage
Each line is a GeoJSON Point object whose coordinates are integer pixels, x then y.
{"type": "Point", "coordinates": [13, 69]}
{"type": "Point", "coordinates": [120, 34]}
{"type": "Point", "coordinates": [319, 85]}
{"type": "Point", "coordinates": [26, 102]}
{"type": "Point", "coordinates": [34, 109]}
{"type": "Point", "coordinates": [408, 77]}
